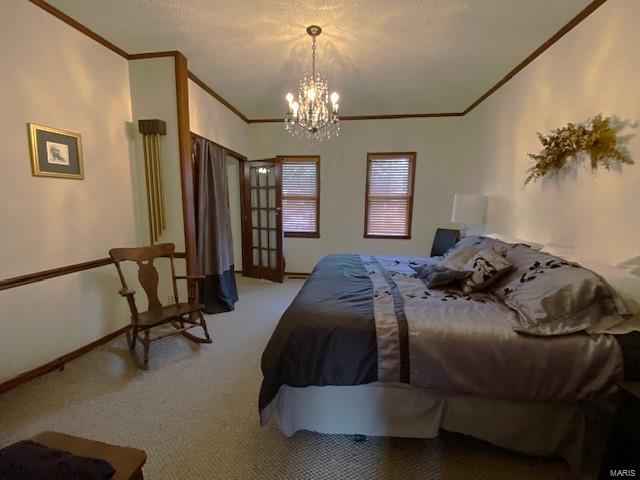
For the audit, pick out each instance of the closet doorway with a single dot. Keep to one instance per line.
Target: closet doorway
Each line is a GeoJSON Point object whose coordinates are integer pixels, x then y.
{"type": "Point", "coordinates": [216, 192]}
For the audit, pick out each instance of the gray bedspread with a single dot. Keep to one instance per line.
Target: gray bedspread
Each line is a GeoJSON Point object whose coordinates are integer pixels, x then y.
{"type": "Point", "coordinates": [361, 319]}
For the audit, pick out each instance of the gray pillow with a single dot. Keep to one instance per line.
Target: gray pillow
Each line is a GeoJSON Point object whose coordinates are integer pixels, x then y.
{"type": "Point", "coordinates": [487, 267]}
{"type": "Point", "coordinates": [437, 276]}
{"type": "Point", "coordinates": [553, 296]}
{"type": "Point", "coordinates": [458, 258]}
{"type": "Point", "coordinates": [467, 247]}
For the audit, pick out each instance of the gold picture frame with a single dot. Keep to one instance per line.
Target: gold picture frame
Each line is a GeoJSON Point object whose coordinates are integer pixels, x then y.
{"type": "Point", "coordinates": [55, 152]}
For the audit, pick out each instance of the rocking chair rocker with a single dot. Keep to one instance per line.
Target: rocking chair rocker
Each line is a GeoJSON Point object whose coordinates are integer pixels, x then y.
{"type": "Point", "coordinates": [182, 316]}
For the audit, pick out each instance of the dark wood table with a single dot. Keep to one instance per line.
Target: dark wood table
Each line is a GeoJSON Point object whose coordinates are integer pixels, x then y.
{"type": "Point", "coordinates": [126, 461]}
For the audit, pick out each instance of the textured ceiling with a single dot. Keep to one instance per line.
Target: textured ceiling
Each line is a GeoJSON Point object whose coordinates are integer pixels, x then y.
{"type": "Point", "coordinates": [382, 56]}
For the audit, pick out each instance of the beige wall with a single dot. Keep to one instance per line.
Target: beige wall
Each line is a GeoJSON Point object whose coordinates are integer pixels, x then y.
{"type": "Point", "coordinates": [212, 120]}
{"type": "Point", "coordinates": [153, 95]}
{"type": "Point", "coordinates": [57, 76]}
{"type": "Point", "coordinates": [593, 69]}
{"type": "Point", "coordinates": [440, 173]}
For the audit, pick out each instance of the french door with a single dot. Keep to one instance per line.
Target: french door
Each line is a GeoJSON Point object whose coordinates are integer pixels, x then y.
{"type": "Point", "coordinates": [262, 219]}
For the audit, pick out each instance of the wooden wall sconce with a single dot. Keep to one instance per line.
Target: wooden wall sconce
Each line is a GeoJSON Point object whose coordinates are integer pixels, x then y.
{"type": "Point", "coordinates": [151, 131]}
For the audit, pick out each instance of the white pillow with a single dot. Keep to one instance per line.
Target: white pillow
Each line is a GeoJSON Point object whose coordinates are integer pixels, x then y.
{"type": "Point", "coordinates": [623, 281]}
{"type": "Point", "coordinates": [568, 253]}
{"type": "Point", "coordinates": [625, 284]}
{"type": "Point", "coordinates": [508, 239]}
{"type": "Point", "coordinates": [613, 326]}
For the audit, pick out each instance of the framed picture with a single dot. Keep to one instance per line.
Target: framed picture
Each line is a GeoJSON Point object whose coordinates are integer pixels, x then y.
{"type": "Point", "coordinates": [55, 152]}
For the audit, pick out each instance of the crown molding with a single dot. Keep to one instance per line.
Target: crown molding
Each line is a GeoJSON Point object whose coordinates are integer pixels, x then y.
{"type": "Point", "coordinates": [406, 115]}
{"type": "Point", "coordinates": [370, 117]}
{"type": "Point", "coordinates": [588, 10]}
{"type": "Point", "coordinates": [575, 21]}
{"type": "Point", "coordinates": [142, 56]}
{"type": "Point", "coordinates": [43, 4]}
{"type": "Point", "coordinates": [47, 7]}
{"type": "Point", "coordinates": [215, 95]}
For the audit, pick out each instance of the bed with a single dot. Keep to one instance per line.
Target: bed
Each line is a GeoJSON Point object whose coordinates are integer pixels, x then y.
{"type": "Point", "coordinates": [366, 348]}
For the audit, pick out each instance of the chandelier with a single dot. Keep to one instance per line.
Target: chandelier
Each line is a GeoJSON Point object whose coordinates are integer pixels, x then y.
{"type": "Point", "coordinates": [310, 115]}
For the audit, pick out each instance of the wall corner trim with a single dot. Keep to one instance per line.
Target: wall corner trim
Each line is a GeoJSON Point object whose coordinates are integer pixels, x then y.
{"type": "Point", "coordinates": [186, 164]}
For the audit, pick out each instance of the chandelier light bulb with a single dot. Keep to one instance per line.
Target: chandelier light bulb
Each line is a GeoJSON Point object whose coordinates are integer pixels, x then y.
{"type": "Point", "coordinates": [289, 98]}
{"type": "Point", "coordinates": [295, 106]}
{"type": "Point", "coordinates": [335, 97]}
{"type": "Point", "coordinates": [311, 94]}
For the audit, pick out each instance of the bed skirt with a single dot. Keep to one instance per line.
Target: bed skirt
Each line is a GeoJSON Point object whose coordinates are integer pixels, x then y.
{"type": "Point", "coordinates": [575, 431]}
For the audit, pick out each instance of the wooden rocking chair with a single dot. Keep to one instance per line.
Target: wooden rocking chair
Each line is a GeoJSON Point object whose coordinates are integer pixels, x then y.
{"type": "Point", "coordinates": [182, 316]}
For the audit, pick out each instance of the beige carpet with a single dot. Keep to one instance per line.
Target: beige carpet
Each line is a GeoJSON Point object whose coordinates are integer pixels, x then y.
{"type": "Point", "coordinates": [195, 413]}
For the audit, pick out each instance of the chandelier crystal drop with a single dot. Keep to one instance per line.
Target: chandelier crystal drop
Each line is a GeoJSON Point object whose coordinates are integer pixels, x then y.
{"type": "Point", "coordinates": [314, 114]}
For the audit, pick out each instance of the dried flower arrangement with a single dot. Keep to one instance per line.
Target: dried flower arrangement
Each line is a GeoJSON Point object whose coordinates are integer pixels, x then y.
{"type": "Point", "coordinates": [565, 147]}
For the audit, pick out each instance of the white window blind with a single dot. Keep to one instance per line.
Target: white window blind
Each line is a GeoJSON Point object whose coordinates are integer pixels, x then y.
{"type": "Point", "coordinates": [389, 195]}
{"type": "Point", "coordinates": [300, 196]}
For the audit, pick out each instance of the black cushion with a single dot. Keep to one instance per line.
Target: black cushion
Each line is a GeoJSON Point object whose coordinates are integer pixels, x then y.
{"type": "Point", "coordinates": [444, 239]}
{"type": "Point", "coordinates": [33, 461]}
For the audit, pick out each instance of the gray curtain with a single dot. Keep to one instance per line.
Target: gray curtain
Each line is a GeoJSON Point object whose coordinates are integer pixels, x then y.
{"type": "Point", "coordinates": [218, 290]}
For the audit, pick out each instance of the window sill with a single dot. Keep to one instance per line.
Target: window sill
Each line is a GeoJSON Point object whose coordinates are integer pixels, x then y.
{"type": "Point", "coordinates": [301, 234]}
{"type": "Point", "coordinates": [388, 237]}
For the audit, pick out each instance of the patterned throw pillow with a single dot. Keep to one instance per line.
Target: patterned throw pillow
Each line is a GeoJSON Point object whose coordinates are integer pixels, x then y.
{"type": "Point", "coordinates": [458, 258]}
{"type": "Point", "coordinates": [458, 255]}
{"type": "Point", "coordinates": [555, 297]}
{"type": "Point", "coordinates": [436, 276]}
{"type": "Point", "coordinates": [487, 266]}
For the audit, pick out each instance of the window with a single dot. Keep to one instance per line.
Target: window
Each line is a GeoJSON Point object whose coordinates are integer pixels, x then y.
{"type": "Point", "coordinates": [301, 196]}
{"type": "Point", "coordinates": [389, 200]}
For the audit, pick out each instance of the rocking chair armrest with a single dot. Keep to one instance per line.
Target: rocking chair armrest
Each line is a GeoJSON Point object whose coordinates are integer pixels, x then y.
{"type": "Point", "coordinates": [192, 285]}
{"type": "Point", "coordinates": [189, 277]}
{"type": "Point", "coordinates": [126, 292]}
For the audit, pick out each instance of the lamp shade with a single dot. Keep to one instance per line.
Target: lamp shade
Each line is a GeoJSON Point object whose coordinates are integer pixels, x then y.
{"type": "Point", "coordinates": [468, 208]}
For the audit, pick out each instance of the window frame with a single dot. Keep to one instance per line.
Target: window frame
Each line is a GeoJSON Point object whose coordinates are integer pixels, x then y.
{"type": "Point", "coordinates": [371, 156]}
{"type": "Point", "coordinates": [299, 159]}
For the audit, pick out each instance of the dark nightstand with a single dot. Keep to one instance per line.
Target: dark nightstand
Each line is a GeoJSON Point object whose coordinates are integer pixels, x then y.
{"type": "Point", "coordinates": [624, 446]}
